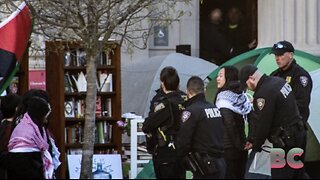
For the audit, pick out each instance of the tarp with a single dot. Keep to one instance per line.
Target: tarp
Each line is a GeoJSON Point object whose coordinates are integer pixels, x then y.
{"type": "Point", "coordinates": [141, 79]}
{"type": "Point", "coordinates": [267, 64]}
{"type": "Point", "coordinates": [315, 103]}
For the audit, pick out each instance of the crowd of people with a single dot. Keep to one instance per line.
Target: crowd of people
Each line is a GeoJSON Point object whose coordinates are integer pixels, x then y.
{"type": "Point", "coordinates": [27, 149]}
{"type": "Point", "coordinates": [223, 40]}
{"type": "Point", "coordinates": [183, 130]}
{"type": "Point", "coordinates": [210, 139]}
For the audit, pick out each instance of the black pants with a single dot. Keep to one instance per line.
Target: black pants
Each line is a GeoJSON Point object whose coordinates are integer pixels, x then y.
{"type": "Point", "coordinates": [221, 167]}
{"type": "Point", "coordinates": [313, 169]}
{"type": "Point", "coordinates": [25, 165]}
{"type": "Point", "coordinates": [166, 164]}
{"type": "Point", "coordinates": [299, 137]}
{"type": "Point", "coordinates": [236, 163]}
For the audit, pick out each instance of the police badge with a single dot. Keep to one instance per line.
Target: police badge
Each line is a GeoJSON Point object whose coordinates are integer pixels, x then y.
{"type": "Point", "coordinates": [288, 79]}
{"type": "Point", "coordinates": [260, 103]}
{"type": "Point", "coordinates": [304, 81]}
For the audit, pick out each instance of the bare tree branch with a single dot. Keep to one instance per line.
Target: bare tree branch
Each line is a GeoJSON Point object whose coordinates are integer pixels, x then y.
{"type": "Point", "coordinates": [94, 22]}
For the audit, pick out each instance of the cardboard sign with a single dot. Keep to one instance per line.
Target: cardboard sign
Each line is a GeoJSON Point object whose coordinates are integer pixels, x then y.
{"type": "Point", "coordinates": [105, 166]}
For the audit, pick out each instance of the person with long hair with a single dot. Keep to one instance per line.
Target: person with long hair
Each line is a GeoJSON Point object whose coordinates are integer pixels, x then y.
{"type": "Point", "coordinates": [235, 107]}
{"type": "Point", "coordinates": [34, 111]}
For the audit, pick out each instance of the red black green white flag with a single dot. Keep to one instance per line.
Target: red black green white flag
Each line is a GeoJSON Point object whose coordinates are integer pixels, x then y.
{"type": "Point", "coordinates": [14, 36]}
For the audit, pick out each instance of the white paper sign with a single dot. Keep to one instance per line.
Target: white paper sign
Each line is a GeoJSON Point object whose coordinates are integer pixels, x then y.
{"type": "Point", "coordinates": [105, 166]}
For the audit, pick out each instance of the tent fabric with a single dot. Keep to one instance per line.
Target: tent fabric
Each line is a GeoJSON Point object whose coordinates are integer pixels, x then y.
{"type": "Point", "coordinates": [264, 61]}
{"type": "Point", "coordinates": [313, 135]}
{"type": "Point", "coordinates": [267, 64]}
{"type": "Point", "coordinates": [140, 80]}
{"type": "Point", "coordinates": [315, 103]}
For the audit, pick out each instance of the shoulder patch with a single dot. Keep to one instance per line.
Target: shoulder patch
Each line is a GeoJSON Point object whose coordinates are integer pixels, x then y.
{"type": "Point", "coordinates": [159, 107]}
{"type": "Point", "coordinates": [260, 103]}
{"type": "Point", "coordinates": [185, 116]}
{"type": "Point", "coordinates": [304, 81]}
{"type": "Point", "coordinates": [184, 97]}
{"type": "Point", "coordinates": [181, 107]}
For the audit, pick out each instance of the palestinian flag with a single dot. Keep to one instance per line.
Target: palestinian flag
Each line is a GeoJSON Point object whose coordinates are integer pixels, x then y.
{"type": "Point", "coordinates": [14, 36]}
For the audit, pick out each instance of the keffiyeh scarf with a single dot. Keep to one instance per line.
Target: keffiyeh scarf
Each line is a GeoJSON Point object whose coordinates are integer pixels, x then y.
{"type": "Point", "coordinates": [238, 103]}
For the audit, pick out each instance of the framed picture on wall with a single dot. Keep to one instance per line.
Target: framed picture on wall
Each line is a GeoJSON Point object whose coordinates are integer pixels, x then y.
{"type": "Point", "coordinates": [161, 35]}
{"type": "Point", "coordinates": [165, 36]}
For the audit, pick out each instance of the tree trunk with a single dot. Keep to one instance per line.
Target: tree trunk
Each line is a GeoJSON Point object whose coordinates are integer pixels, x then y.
{"type": "Point", "coordinates": [90, 119]}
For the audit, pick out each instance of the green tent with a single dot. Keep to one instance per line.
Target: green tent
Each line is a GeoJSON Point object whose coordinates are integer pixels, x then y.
{"type": "Point", "coordinates": [266, 63]}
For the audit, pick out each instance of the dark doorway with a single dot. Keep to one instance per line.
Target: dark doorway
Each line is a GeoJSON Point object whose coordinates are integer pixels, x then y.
{"type": "Point", "coordinates": [248, 9]}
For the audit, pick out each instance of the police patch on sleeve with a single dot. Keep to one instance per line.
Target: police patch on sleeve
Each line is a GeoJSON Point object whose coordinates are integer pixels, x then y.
{"type": "Point", "coordinates": [260, 103]}
{"type": "Point", "coordinates": [159, 107]}
{"type": "Point", "coordinates": [304, 81]}
{"type": "Point", "coordinates": [185, 116]}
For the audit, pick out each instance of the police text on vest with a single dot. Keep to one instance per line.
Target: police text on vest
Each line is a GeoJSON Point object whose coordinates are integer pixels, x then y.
{"type": "Point", "coordinates": [286, 90]}
{"type": "Point", "coordinates": [212, 112]}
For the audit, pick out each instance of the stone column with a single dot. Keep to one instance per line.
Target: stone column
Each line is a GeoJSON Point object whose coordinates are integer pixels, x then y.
{"type": "Point", "coordinates": [297, 21]}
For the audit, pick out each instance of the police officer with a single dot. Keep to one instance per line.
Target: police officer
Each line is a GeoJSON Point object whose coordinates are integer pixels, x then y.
{"type": "Point", "coordinates": [200, 139]}
{"type": "Point", "coordinates": [279, 120]}
{"type": "Point", "coordinates": [301, 83]}
{"type": "Point", "coordinates": [298, 78]}
{"type": "Point", "coordinates": [162, 124]}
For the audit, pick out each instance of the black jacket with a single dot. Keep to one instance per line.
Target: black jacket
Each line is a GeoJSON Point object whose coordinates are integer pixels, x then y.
{"type": "Point", "coordinates": [165, 113]}
{"type": "Point", "coordinates": [160, 113]}
{"type": "Point", "coordinates": [201, 129]}
{"type": "Point", "coordinates": [215, 47]}
{"type": "Point", "coordinates": [275, 105]}
{"type": "Point", "coordinates": [301, 83]}
{"type": "Point", "coordinates": [234, 134]}
{"type": "Point", "coordinates": [159, 97]}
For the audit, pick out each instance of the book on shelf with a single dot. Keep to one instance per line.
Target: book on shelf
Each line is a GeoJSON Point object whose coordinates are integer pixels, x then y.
{"type": "Point", "coordinates": [105, 81]}
{"type": "Point", "coordinates": [103, 132]}
{"type": "Point", "coordinates": [79, 104]}
{"type": "Point", "coordinates": [68, 85]}
{"type": "Point", "coordinates": [78, 82]}
{"type": "Point", "coordinates": [98, 107]}
{"type": "Point", "coordinates": [69, 108]}
{"type": "Point", "coordinates": [104, 151]}
{"type": "Point", "coordinates": [107, 107]}
{"type": "Point", "coordinates": [77, 57]}
{"type": "Point", "coordinates": [74, 134]}
{"type": "Point", "coordinates": [67, 58]}
{"type": "Point", "coordinates": [81, 82]}
{"type": "Point", "coordinates": [81, 57]}
{"type": "Point", "coordinates": [75, 151]}
{"type": "Point", "coordinates": [104, 58]}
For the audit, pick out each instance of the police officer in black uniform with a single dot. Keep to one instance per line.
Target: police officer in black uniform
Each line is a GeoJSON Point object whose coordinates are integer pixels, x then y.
{"type": "Point", "coordinates": [298, 78]}
{"type": "Point", "coordinates": [162, 125]}
{"type": "Point", "coordinates": [200, 139]}
{"type": "Point", "coordinates": [279, 119]}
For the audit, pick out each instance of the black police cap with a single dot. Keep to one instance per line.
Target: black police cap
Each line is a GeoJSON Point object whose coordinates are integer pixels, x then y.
{"type": "Point", "coordinates": [281, 47]}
